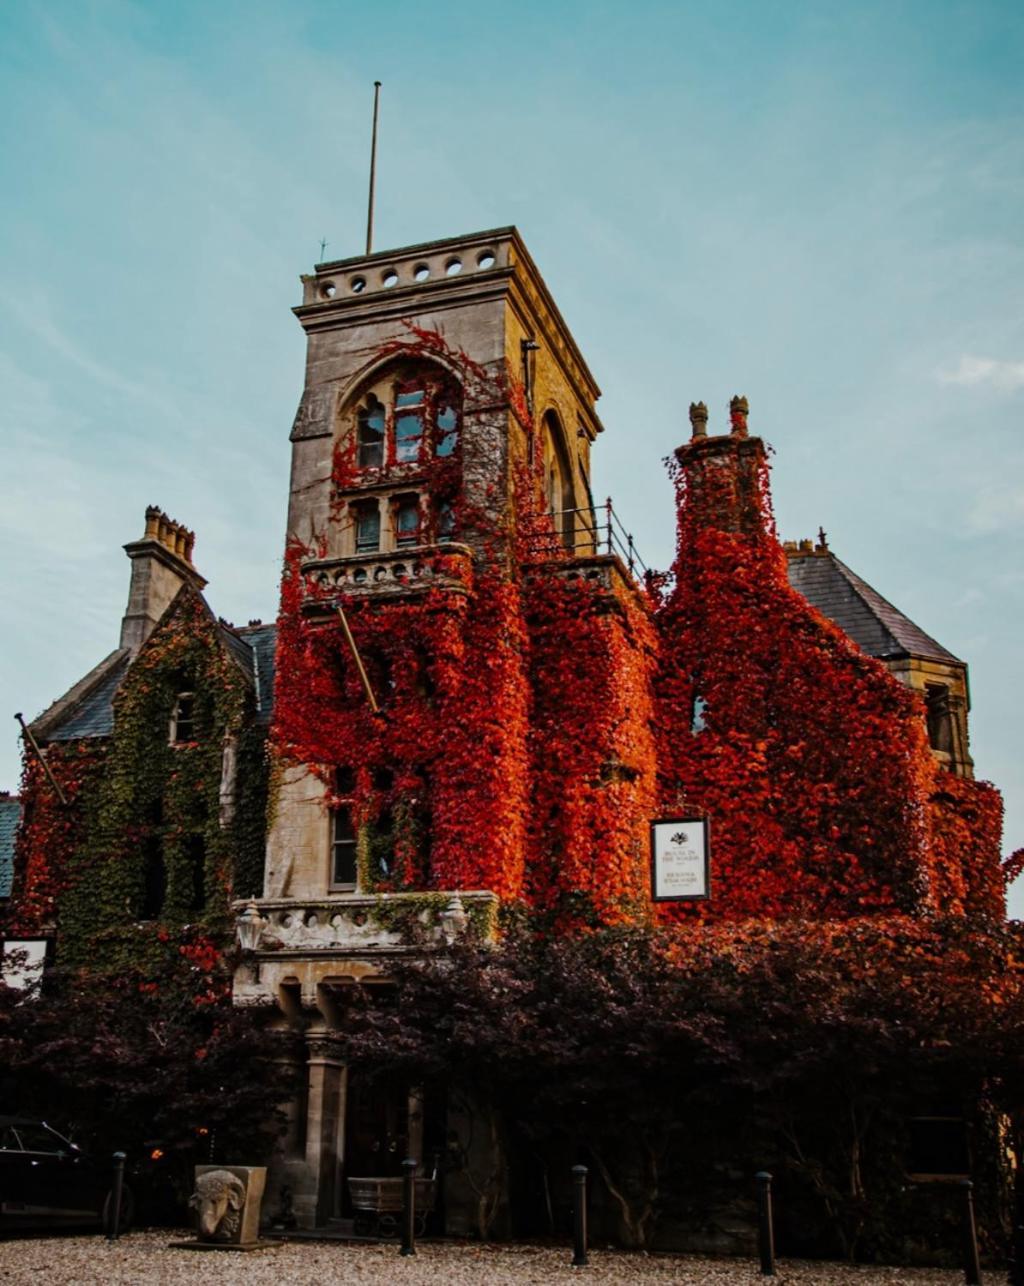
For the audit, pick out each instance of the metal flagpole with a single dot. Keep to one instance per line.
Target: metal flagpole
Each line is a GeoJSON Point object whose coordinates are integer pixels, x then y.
{"type": "Point", "coordinates": [26, 732]}
{"type": "Point", "coordinates": [360, 668]}
{"type": "Point", "coordinates": [373, 168]}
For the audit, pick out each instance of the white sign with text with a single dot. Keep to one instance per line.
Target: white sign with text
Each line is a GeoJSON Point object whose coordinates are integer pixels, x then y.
{"type": "Point", "coordinates": [680, 859]}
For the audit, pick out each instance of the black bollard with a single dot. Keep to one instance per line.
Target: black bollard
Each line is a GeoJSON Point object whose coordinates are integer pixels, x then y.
{"type": "Point", "coordinates": [579, 1216]}
{"type": "Point", "coordinates": [972, 1268]}
{"type": "Point", "coordinates": [114, 1218]}
{"type": "Point", "coordinates": [408, 1206]}
{"type": "Point", "coordinates": [1015, 1274]}
{"type": "Point", "coordinates": [765, 1228]}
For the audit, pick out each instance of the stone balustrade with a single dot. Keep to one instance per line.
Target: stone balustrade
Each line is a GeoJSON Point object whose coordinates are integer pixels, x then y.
{"type": "Point", "coordinates": [399, 572]}
{"type": "Point", "coordinates": [366, 922]}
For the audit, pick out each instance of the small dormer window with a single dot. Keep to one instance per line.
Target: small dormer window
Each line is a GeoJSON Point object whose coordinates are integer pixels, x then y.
{"type": "Point", "coordinates": [183, 719]}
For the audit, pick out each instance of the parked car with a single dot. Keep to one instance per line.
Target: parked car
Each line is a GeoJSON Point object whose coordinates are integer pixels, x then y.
{"type": "Point", "coordinates": [46, 1179]}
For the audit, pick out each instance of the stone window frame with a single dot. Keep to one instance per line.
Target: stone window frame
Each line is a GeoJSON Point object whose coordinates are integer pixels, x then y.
{"type": "Point", "coordinates": [174, 729]}
{"type": "Point", "coordinates": [443, 393]}
{"type": "Point", "coordinates": [350, 843]}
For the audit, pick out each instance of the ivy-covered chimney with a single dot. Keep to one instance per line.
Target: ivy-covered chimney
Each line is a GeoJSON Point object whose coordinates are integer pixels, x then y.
{"type": "Point", "coordinates": [722, 479]}
{"type": "Point", "coordinates": [161, 565]}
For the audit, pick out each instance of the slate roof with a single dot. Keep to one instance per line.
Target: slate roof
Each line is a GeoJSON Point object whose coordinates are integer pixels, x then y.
{"type": "Point", "coordinates": [87, 710]}
{"type": "Point", "coordinates": [262, 640]}
{"type": "Point", "coordinates": [870, 620]}
{"type": "Point", "coordinates": [10, 815]}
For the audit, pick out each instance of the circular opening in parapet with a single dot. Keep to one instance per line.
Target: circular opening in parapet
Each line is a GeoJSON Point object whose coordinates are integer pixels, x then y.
{"type": "Point", "coordinates": [359, 576]}
{"type": "Point", "coordinates": [328, 290]}
{"type": "Point", "coordinates": [422, 271]}
{"type": "Point", "coordinates": [389, 277]}
{"type": "Point", "coordinates": [357, 285]}
{"type": "Point", "coordinates": [485, 259]}
{"type": "Point", "coordinates": [453, 267]}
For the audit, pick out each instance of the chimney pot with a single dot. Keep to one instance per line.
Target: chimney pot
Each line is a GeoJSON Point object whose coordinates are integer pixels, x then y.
{"type": "Point", "coordinates": [698, 420]}
{"type": "Point", "coordinates": [739, 409]}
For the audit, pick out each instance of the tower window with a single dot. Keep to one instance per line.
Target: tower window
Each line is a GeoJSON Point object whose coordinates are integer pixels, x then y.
{"type": "Point", "coordinates": [367, 521]}
{"type": "Point", "coordinates": [939, 718]}
{"type": "Point", "coordinates": [343, 849]}
{"type": "Point", "coordinates": [445, 522]}
{"type": "Point", "coordinates": [407, 520]}
{"type": "Point", "coordinates": [409, 408]}
{"type": "Point", "coordinates": [183, 719]}
{"type": "Point", "coordinates": [371, 435]}
{"type": "Point", "coordinates": [447, 430]}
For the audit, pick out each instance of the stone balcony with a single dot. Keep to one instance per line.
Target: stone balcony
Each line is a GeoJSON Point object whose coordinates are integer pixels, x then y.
{"type": "Point", "coordinates": [299, 944]}
{"type": "Point", "coordinates": [397, 573]}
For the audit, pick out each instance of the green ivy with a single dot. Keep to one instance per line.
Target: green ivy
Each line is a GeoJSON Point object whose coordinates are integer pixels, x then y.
{"type": "Point", "coordinates": [157, 796]}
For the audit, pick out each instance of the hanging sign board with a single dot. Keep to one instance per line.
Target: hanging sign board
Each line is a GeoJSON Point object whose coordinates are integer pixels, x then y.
{"type": "Point", "coordinates": [680, 859]}
{"type": "Point", "coordinates": [22, 961]}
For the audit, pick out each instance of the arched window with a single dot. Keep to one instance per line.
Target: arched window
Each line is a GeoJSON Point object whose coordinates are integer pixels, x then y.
{"type": "Point", "coordinates": [410, 414]}
{"type": "Point", "coordinates": [559, 492]}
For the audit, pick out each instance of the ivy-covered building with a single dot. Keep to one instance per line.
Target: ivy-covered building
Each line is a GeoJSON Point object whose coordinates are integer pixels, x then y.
{"type": "Point", "coordinates": [160, 755]}
{"type": "Point", "coordinates": [482, 700]}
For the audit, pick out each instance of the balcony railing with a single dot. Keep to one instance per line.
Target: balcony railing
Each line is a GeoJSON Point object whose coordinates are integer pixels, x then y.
{"type": "Point", "coordinates": [587, 532]}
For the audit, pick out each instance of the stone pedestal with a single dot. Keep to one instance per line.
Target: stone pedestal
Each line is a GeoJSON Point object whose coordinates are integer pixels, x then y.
{"type": "Point", "coordinates": [227, 1204]}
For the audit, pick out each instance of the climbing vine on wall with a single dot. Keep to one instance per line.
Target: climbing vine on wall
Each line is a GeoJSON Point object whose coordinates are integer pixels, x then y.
{"type": "Point", "coordinates": [811, 759]}
{"type": "Point", "coordinates": [155, 856]}
{"type": "Point", "coordinates": [514, 749]}
{"type": "Point", "coordinates": [50, 832]}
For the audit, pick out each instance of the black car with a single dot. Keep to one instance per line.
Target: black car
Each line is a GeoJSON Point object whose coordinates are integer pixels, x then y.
{"type": "Point", "coordinates": [45, 1179]}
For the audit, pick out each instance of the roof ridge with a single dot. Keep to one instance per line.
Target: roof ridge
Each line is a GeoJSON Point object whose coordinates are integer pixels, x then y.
{"type": "Point", "coordinates": [874, 600]}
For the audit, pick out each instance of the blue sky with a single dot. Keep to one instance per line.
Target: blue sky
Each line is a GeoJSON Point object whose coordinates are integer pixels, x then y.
{"type": "Point", "coordinates": [817, 205]}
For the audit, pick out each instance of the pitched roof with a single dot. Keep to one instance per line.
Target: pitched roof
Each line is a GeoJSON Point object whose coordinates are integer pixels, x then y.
{"type": "Point", "coordinates": [873, 623]}
{"type": "Point", "coordinates": [87, 709]}
{"type": "Point", "coordinates": [261, 640]}
{"type": "Point", "coordinates": [10, 816]}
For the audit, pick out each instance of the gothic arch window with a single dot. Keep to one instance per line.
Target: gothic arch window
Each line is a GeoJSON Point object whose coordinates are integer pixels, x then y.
{"type": "Point", "coordinates": [410, 414]}
{"type": "Point", "coordinates": [559, 494]}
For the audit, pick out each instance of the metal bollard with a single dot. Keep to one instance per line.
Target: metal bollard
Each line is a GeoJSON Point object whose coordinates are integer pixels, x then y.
{"type": "Point", "coordinates": [579, 1216]}
{"type": "Point", "coordinates": [972, 1267]}
{"type": "Point", "coordinates": [114, 1224]}
{"type": "Point", "coordinates": [408, 1206]}
{"type": "Point", "coordinates": [765, 1227]}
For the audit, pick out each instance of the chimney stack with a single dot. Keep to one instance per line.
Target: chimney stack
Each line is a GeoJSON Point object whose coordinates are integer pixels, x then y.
{"type": "Point", "coordinates": [161, 565]}
{"type": "Point", "coordinates": [725, 481]}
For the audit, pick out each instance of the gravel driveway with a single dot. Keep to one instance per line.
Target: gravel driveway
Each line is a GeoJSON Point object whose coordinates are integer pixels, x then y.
{"type": "Point", "coordinates": [147, 1257]}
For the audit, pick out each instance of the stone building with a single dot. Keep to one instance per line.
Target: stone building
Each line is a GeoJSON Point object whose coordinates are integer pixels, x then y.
{"type": "Point", "coordinates": [478, 700]}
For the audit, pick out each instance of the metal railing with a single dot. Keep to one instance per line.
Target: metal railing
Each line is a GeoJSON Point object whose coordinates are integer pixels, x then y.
{"type": "Point", "coordinates": [586, 533]}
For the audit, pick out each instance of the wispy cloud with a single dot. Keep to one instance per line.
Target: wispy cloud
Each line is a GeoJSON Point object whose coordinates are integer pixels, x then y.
{"type": "Point", "coordinates": [998, 507]}
{"type": "Point", "coordinates": [1004, 377]}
